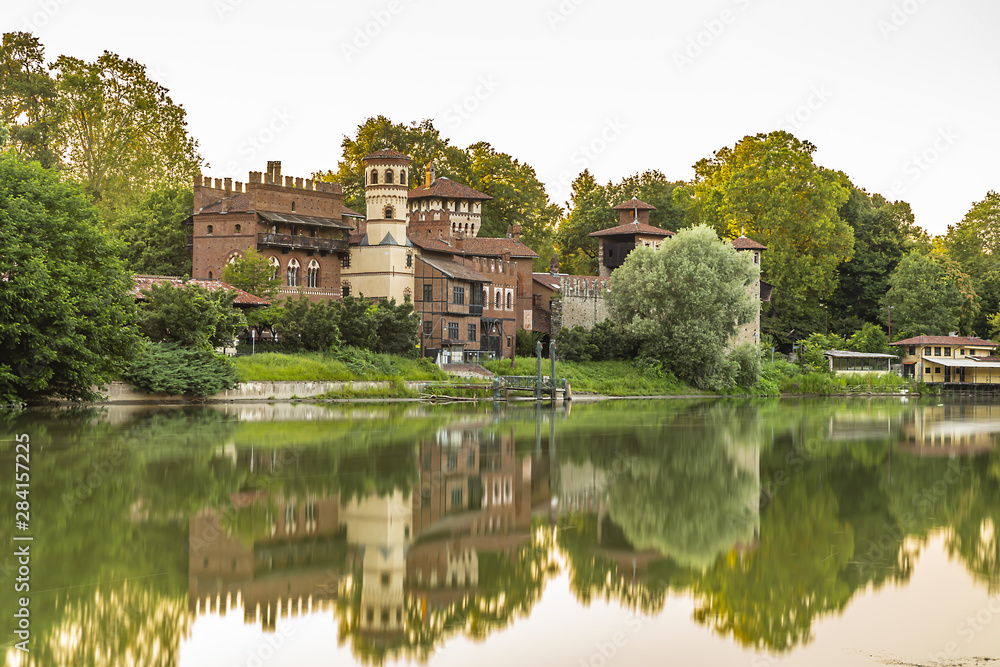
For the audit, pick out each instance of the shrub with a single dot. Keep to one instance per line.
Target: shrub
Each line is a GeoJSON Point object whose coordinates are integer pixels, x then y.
{"type": "Point", "coordinates": [574, 345]}
{"type": "Point", "coordinates": [748, 367]}
{"type": "Point", "coordinates": [171, 368]}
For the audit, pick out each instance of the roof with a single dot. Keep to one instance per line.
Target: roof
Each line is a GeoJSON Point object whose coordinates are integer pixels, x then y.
{"type": "Point", "coordinates": [242, 298]}
{"type": "Point", "coordinates": [743, 243]}
{"type": "Point", "coordinates": [967, 362]}
{"type": "Point", "coordinates": [546, 279]}
{"type": "Point", "coordinates": [858, 355]}
{"type": "Point", "coordinates": [454, 270]}
{"type": "Point", "coordinates": [497, 247]}
{"type": "Point", "coordinates": [946, 340]}
{"type": "Point", "coordinates": [445, 188]}
{"type": "Point", "coordinates": [239, 202]}
{"type": "Point", "coordinates": [350, 212]}
{"type": "Point", "coordinates": [634, 203]}
{"type": "Point", "coordinates": [387, 153]}
{"type": "Point", "coordinates": [292, 218]}
{"type": "Point", "coordinates": [634, 227]}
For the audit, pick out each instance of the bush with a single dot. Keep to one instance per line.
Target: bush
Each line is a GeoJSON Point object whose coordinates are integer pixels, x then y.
{"type": "Point", "coordinates": [364, 363]}
{"type": "Point", "coordinates": [574, 345]}
{"type": "Point", "coordinates": [748, 366]}
{"type": "Point", "coordinates": [304, 325]}
{"type": "Point", "coordinates": [170, 368]}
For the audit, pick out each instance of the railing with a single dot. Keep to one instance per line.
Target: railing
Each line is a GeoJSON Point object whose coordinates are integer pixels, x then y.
{"type": "Point", "coordinates": [297, 242]}
{"type": "Point", "coordinates": [476, 309]}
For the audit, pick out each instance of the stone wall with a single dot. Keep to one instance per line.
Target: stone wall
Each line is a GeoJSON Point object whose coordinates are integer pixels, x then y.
{"type": "Point", "coordinates": [581, 303]}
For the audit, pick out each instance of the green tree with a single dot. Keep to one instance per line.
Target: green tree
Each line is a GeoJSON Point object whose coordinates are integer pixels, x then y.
{"type": "Point", "coordinates": [869, 338]}
{"type": "Point", "coordinates": [190, 315]}
{"type": "Point", "coordinates": [684, 301]}
{"type": "Point", "coordinates": [930, 295]}
{"type": "Point", "coordinates": [28, 98]}
{"type": "Point", "coordinates": [65, 305]}
{"type": "Point", "coordinates": [589, 211]}
{"type": "Point", "coordinates": [121, 133]}
{"type": "Point", "coordinates": [574, 344]}
{"type": "Point", "coordinates": [975, 244]}
{"type": "Point", "coordinates": [252, 273]}
{"type": "Point", "coordinates": [171, 368]}
{"type": "Point", "coordinates": [768, 187]}
{"type": "Point", "coordinates": [395, 327]}
{"type": "Point", "coordinates": [304, 325]}
{"type": "Point", "coordinates": [154, 233]}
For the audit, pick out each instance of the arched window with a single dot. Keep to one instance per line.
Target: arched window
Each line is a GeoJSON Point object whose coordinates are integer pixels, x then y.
{"type": "Point", "coordinates": [402, 177]}
{"type": "Point", "coordinates": [209, 275]}
{"type": "Point", "coordinates": [388, 176]}
{"type": "Point", "coordinates": [390, 213]}
{"type": "Point", "coordinates": [374, 178]}
{"type": "Point", "coordinates": [496, 300]}
{"type": "Point", "coordinates": [275, 267]}
{"type": "Point", "coordinates": [293, 272]}
{"type": "Point", "coordinates": [345, 288]}
{"type": "Point", "coordinates": [509, 297]}
{"type": "Point", "coordinates": [407, 294]}
{"type": "Point", "coordinates": [312, 274]}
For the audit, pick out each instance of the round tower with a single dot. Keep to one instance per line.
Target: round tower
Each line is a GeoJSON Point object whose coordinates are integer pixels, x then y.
{"type": "Point", "coordinates": [386, 179]}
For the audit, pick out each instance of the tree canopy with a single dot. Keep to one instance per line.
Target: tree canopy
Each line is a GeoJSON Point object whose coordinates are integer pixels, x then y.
{"type": "Point", "coordinates": [684, 301]}
{"type": "Point", "coordinates": [254, 274]}
{"type": "Point", "coordinates": [65, 305]}
{"type": "Point", "coordinates": [930, 295]}
{"type": "Point", "coordinates": [191, 316]}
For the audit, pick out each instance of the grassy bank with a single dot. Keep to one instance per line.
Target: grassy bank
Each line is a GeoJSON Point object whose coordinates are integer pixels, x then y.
{"type": "Point", "coordinates": [344, 366]}
{"type": "Point", "coordinates": [782, 377]}
{"type": "Point", "coordinates": [609, 378]}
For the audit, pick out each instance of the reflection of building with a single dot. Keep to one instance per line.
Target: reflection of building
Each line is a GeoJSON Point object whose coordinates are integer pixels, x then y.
{"type": "Point", "coordinates": [951, 430]}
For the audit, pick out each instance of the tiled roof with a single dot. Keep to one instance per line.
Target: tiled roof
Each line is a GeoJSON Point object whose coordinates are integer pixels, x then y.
{"type": "Point", "coordinates": [240, 202]}
{"type": "Point", "coordinates": [436, 245]}
{"type": "Point", "coordinates": [350, 212]}
{"type": "Point", "coordinates": [634, 227]}
{"type": "Point", "coordinates": [743, 243]}
{"type": "Point", "coordinates": [445, 188]}
{"type": "Point", "coordinates": [946, 340]}
{"type": "Point", "coordinates": [242, 298]}
{"type": "Point", "coordinates": [634, 203]}
{"type": "Point", "coordinates": [387, 153]}
{"type": "Point", "coordinates": [547, 279]}
{"type": "Point", "coordinates": [497, 247]}
{"type": "Point", "coordinates": [455, 270]}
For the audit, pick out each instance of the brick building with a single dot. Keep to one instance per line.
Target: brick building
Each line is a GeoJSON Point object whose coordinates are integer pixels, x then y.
{"type": "Point", "coordinates": [301, 226]}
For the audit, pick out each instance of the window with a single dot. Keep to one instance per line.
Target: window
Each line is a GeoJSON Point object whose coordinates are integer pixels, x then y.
{"type": "Point", "coordinates": [409, 261]}
{"type": "Point", "coordinates": [452, 460]}
{"type": "Point", "coordinates": [937, 351]}
{"type": "Point", "coordinates": [428, 326]}
{"type": "Point", "coordinates": [402, 177]}
{"type": "Point", "coordinates": [407, 295]}
{"type": "Point", "coordinates": [385, 578]}
{"type": "Point", "coordinates": [293, 272]}
{"type": "Point", "coordinates": [453, 330]}
{"type": "Point", "coordinates": [239, 228]}
{"type": "Point", "coordinates": [388, 176]}
{"type": "Point", "coordinates": [312, 275]}
{"type": "Point", "coordinates": [345, 260]}
{"type": "Point", "coordinates": [472, 332]}
{"type": "Point", "coordinates": [275, 267]}
{"type": "Point", "coordinates": [374, 179]}
{"type": "Point", "coordinates": [209, 275]}
{"type": "Point", "coordinates": [510, 300]}
{"type": "Point", "coordinates": [496, 299]}
{"type": "Point", "coordinates": [428, 292]}
{"type": "Point", "coordinates": [345, 289]}
{"type": "Point", "coordinates": [456, 497]}
{"type": "Point", "coordinates": [458, 295]}
{"type": "Point", "coordinates": [947, 351]}
{"type": "Point", "coordinates": [913, 350]}
{"type": "Point", "coordinates": [938, 369]}
{"type": "Point", "coordinates": [209, 229]}
{"type": "Point", "coordinates": [927, 351]}
{"type": "Point", "coordinates": [390, 213]}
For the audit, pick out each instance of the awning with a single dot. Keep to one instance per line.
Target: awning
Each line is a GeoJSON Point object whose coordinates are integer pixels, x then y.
{"type": "Point", "coordinates": [952, 362]}
{"type": "Point", "coordinates": [293, 219]}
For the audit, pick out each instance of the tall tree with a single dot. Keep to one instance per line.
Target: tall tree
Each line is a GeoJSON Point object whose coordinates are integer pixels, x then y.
{"type": "Point", "coordinates": [768, 187]}
{"type": "Point", "coordinates": [930, 295]}
{"type": "Point", "coordinates": [65, 303]}
{"type": "Point", "coordinates": [975, 244]}
{"type": "Point", "coordinates": [121, 134]}
{"type": "Point", "coordinates": [154, 232]}
{"type": "Point", "coordinates": [684, 301]}
{"type": "Point", "coordinates": [254, 274]}
{"type": "Point", "coordinates": [28, 104]}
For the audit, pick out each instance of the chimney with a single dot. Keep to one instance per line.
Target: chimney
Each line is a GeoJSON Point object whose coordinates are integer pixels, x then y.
{"type": "Point", "coordinates": [274, 168]}
{"type": "Point", "coordinates": [517, 233]}
{"type": "Point", "coordinates": [554, 264]}
{"type": "Point", "coordinates": [459, 241]}
{"type": "Point", "coordinates": [228, 186]}
{"type": "Point", "coordinates": [510, 231]}
{"type": "Point", "coordinates": [429, 176]}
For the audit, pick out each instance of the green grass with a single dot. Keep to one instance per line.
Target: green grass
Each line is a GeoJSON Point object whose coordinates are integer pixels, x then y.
{"type": "Point", "coordinates": [782, 377]}
{"type": "Point", "coordinates": [346, 366]}
{"type": "Point", "coordinates": [608, 378]}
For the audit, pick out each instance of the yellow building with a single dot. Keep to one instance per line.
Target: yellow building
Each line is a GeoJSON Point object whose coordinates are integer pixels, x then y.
{"type": "Point", "coordinates": [958, 359]}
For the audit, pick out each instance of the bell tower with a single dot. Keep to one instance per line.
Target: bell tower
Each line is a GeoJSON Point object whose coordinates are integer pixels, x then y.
{"type": "Point", "coordinates": [386, 179]}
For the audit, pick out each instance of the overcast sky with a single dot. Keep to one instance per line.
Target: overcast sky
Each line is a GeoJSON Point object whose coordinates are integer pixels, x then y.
{"type": "Point", "coordinates": [901, 95]}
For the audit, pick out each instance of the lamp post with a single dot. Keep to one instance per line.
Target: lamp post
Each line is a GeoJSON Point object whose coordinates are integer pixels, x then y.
{"type": "Point", "coordinates": [889, 310]}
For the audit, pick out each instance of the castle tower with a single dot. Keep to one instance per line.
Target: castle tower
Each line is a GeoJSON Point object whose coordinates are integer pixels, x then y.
{"type": "Point", "coordinates": [381, 264]}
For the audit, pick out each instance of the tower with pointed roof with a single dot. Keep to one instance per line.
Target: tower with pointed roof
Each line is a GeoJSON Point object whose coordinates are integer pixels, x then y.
{"type": "Point", "coordinates": [381, 264]}
{"type": "Point", "coordinates": [633, 230]}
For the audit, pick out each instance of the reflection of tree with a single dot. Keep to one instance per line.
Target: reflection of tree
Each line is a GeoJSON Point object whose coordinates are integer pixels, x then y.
{"type": "Point", "coordinates": [975, 523]}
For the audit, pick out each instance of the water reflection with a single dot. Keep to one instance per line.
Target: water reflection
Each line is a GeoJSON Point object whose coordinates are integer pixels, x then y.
{"type": "Point", "coordinates": [405, 526]}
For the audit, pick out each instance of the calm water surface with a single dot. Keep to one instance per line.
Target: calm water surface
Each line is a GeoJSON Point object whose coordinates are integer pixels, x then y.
{"type": "Point", "coordinates": [861, 532]}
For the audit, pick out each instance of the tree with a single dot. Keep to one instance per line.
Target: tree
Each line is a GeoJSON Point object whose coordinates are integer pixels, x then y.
{"type": "Point", "coordinates": [28, 98]}
{"type": "Point", "coordinates": [154, 233]}
{"type": "Point", "coordinates": [395, 327]}
{"type": "Point", "coordinates": [869, 338]}
{"type": "Point", "coordinates": [190, 315]}
{"type": "Point", "coordinates": [930, 295]}
{"type": "Point", "coordinates": [768, 188]}
{"type": "Point", "coordinates": [121, 133]}
{"type": "Point", "coordinates": [304, 325]}
{"type": "Point", "coordinates": [975, 244]}
{"type": "Point", "coordinates": [684, 302]}
{"type": "Point", "coordinates": [170, 368]}
{"type": "Point", "coordinates": [589, 211]}
{"type": "Point", "coordinates": [254, 274]}
{"type": "Point", "coordinates": [65, 305]}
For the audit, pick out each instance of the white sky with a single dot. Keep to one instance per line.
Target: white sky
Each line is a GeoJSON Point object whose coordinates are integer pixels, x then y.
{"type": "Point", "coordinates": [899, 94]}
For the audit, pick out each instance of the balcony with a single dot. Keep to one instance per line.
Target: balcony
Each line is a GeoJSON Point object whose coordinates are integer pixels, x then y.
{"type": "Point", "coordinates": [290, 242]}
{"type": "Point", "coordinates": [476, 310]}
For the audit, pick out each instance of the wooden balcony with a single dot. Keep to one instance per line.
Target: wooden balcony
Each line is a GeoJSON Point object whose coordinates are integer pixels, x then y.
{"type": "Point", "coordinates": [290, 242]}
